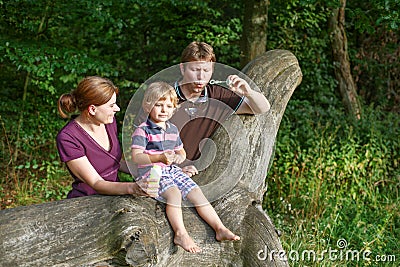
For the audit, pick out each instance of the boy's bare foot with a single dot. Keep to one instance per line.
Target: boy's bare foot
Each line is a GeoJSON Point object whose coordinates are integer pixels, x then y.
{"type": "Point", "coordinates": [186, 242]}
{"type": "Point", "coordinates": [224, 234]}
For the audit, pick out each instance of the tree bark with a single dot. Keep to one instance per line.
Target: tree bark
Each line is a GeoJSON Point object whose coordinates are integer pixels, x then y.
{"type": "Point", "coordinates": [254, 37]}
{"type": "Point", "coordinates": [134, 231]}
{"type": "Point", "coordinates": [347, 86]}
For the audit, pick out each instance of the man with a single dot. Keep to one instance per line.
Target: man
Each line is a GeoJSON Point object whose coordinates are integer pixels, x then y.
{"type": "Point", "coordinates": [203, 105]}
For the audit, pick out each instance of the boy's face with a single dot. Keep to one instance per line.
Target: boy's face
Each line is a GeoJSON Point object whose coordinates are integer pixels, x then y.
{"type": "Point", "coordinates": [197, 74]}
{"type": "Point", "coordinates": [162, 110]}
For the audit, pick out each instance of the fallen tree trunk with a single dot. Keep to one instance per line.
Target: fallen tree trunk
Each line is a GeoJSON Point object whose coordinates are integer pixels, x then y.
{"type": "Point", "coordinates": [134, 231]}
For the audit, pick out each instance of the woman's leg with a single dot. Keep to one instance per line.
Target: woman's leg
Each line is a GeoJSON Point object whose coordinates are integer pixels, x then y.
{"type": "Point", "coordinates": [175, 218]}
{"type": "Point", "coordinates": [207, 212]}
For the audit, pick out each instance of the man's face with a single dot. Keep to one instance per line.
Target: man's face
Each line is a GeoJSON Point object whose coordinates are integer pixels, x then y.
{"type": "Point", "coordinates": [197, 74]}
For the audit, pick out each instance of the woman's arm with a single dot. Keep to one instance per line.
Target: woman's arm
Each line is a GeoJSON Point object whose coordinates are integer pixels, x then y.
{"type": "Point", "coordinates": [84, 170]}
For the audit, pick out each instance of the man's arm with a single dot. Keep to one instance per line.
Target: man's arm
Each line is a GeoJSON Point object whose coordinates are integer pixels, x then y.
{"type": "Point", "coordinates": [254, 103]}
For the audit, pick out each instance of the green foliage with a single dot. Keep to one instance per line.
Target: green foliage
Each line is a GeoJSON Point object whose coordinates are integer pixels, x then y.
{"type": "Point", "coordinates": [372, 35]}
{"type": "Point", "coordinates": [374, 32]}
{"type": "Point", "coordinates": [301, 27]}
{"type": "Point", "coordinates": [46, 180]}
{"type": "Point", "coordinates": [366, 16]}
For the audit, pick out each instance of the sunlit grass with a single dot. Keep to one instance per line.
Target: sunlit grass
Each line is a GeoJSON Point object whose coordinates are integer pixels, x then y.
{"type": "Point", "coordinates": [36, 184]}
{"type": "Point", "coordinates": [333, 183]}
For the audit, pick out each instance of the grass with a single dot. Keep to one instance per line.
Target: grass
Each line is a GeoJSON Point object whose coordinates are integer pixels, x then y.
{"type": "Point", "coordinates": [334, 188]}
{"type": "Point", "coordinates": [35, 183]}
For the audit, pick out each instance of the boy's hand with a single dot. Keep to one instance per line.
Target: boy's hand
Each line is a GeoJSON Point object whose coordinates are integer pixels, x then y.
{"type": "Point", "coordinates": [166, 158]}
{"type": "Point", "coordinates": [169, 157]}
{"type": "Point", "coordinates": [179, 158]}
{"type": "Point", "coordinates": [190, 170]}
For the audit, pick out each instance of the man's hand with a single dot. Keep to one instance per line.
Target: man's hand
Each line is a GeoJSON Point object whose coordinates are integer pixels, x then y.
{"type": "Point", "coordinates": [239, 86]}
{"type": "Point", "coordinates": [167, 157]}
{"type": "Point", "coordinates": [254, 102]}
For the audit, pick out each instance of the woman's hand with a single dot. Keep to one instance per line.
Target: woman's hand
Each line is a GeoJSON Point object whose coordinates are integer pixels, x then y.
{"type": "Point", "coordinates": [148, 187]}
{"type": "Point", "coordinates": [136, 190]}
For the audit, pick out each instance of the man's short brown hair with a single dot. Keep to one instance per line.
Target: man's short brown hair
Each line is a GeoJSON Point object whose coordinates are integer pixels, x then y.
{"type": "Point", "coordinates": [198, 51]}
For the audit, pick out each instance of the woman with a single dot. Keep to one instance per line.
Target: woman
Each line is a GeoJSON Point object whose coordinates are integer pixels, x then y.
{"type": "Point", "coordinates": [89, 144]}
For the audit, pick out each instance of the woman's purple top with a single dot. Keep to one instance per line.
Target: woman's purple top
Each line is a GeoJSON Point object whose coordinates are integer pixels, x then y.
{"type": "Point", "coordinates": [74, 142]}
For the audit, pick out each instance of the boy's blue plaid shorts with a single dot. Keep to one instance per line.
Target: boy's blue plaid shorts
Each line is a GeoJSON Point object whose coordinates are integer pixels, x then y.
{"type": "Point", "coordinates": [174, 176]}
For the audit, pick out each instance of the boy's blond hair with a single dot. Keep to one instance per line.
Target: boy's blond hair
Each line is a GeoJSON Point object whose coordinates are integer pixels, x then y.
{"type": "Point", "coordinates": [158, 91]}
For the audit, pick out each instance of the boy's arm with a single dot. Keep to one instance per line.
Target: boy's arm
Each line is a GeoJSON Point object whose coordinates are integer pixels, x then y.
{"type": "Point", "coordinates": [139, 142]}
{"type": "Point", "coordinates": [141, 158]}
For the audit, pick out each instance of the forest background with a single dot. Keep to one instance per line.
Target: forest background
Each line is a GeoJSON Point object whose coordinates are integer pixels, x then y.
{"type": "Point", "coordinates": [334, 178]}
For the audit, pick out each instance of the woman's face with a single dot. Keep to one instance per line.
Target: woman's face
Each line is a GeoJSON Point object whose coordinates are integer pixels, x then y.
{"type": "Point", "coordinates": [105, 113]}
